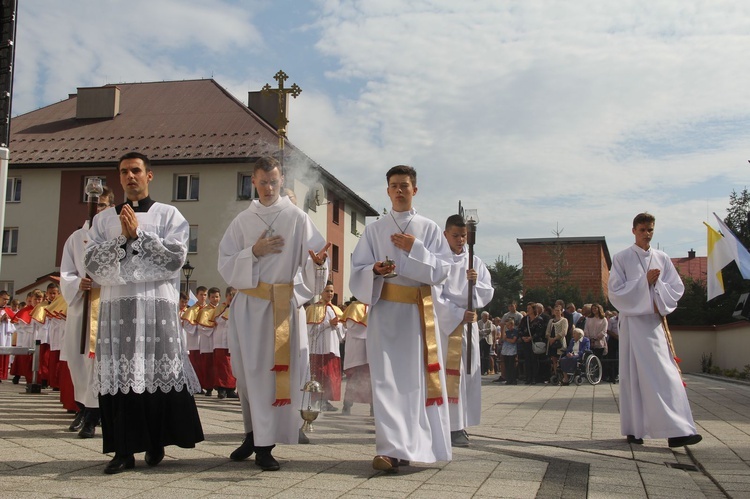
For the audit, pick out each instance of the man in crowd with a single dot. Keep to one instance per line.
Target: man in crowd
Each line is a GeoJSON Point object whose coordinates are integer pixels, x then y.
{"type": "Point", "coordinates": [136, 253]}
{"type": "Point", "coordinates": [486, 335]}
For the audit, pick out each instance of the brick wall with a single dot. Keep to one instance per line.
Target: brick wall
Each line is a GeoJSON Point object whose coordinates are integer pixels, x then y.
{"type": "Point", "coordinates": [586, 261]}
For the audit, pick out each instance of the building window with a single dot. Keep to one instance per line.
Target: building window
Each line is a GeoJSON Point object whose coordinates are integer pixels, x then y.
{"type": "Point", "coordinates": [10, 241]}
{"type": "Point", "coordinates": [353, 222]}
{"type": "Point", "coordinates": [9, 287]}
{"type": "Point", "coordinates": [334, 258]}
{"type": "Point", "coordinates": [193, 240]}
{"type": "Point", "coordinates": [245, 188]}
{"type": "Point", "coordinates": [13, 192]}
{"type": "Point", "coordinates": [336, 206]}
{"type": "Point", "coordinates": [86, 181]}
{"type": "Point", "coordinates": [186, 187]}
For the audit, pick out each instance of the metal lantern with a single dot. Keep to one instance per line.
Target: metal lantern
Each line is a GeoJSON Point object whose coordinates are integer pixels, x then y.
{"type": "Point", "coordinates": [312, 398]}
{"type": "Point", "coordinates": [94, 187]}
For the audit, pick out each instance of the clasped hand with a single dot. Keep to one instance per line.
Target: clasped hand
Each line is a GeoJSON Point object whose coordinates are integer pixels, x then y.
{"type": "Point", "coordinates": [129, 222]}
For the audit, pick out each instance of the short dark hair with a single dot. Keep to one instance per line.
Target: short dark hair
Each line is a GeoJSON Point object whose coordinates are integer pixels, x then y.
{"type": "Point", "coordinates": [402, 170]}
{"type": "Point", "coordinates": [109, 194]}
{"type": "Point", "coordinates": [136, 155]}
{"type": "Point", "coordinates": [53, 285]}
{"type": "Point", "coordinates": [267, 163]}
{"type": "Point", "coordinates": [183, 296]}
{"type": "Point", "coordinates": [214, 290]}
{"type": "Point", "coordinates": [455, 221]}
{"type": "Point", "coordinates": [201, 288]}
{"type": "Point", "coordinates": [4, 293]}
{"type": "Point", "coordinates": [230, 290]}
{"type": "Point", "coordinates": [643, 218]}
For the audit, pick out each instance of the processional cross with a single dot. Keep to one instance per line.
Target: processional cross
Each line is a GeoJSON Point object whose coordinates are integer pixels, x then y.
{"type": "Point", "coordinates": [281, 92]}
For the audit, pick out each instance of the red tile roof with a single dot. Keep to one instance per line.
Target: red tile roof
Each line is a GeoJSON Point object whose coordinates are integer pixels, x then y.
{"type": "Point", "coordinates": [180, 121]}
{"type": "Point", "coordinates": [696, 267]}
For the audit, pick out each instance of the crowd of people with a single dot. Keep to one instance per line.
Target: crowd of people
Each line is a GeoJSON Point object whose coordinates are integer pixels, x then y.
{"type": "Point", "coordinates": [508, 341]}
{"type": "Point", "coordinates": [124, 347]}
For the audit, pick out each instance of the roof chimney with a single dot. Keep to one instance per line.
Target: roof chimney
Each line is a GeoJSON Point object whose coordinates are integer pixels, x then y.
{"type": "Point", "coordinates": [267, 107]}
{"type": "Point", "coordinates": [691, 253]}
{"type": "Point", "coordinates": [98, 102]}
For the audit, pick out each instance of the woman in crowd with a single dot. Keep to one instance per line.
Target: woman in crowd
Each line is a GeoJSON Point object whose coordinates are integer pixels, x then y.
{"type": "Point", "coordinates": [557, 329]}
{"type": "Point", "coordinates": [596, 330]}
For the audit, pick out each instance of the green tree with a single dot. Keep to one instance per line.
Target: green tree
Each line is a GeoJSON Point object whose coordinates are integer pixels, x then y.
{"type": "Point", "coordinates": [507, 280]}
{"type": "Point", "coordinates": [736, 220]}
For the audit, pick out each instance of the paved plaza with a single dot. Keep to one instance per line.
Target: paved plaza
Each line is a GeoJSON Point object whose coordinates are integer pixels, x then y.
{"type": "Point", "coordinates": [534, 441]}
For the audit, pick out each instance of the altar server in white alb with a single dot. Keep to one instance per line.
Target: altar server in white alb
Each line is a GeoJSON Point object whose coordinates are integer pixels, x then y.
{"type": "Point", "coordinates": [136, 252]}
{"type": "Point", "coordinates": [464, 389]}
{"type": "Point", "coordinates": [403, 344]}
{"type": "Point", "coordinates": [74, 284]}
{"type": "Point", "coordinates": [645, 287]}
{"type": "Point", "coordinates": [276, 258]}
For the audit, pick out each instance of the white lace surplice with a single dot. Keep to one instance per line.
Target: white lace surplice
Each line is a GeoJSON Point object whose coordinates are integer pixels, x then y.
{"type": "Point", "coordinates": [139, 346]}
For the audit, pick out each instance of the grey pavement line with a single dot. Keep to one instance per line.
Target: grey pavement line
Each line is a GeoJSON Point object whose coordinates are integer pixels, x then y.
{"type": "Point", "coordinates": [705, 472]}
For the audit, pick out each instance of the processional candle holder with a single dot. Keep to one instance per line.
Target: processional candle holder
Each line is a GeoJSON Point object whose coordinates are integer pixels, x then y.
{"type": "Point", "coordinates": [94, 188]}
{"type": "Point", "coordinates": [471, 217]}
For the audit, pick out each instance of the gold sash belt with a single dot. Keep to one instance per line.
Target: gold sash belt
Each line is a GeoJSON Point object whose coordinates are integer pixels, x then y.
{"type": "Point", "coordinates": [280, 296]}
{"type": "Point", "coordinates": [453, 363]}
{"type": "Point", "coordinates": [422, 297]}
{"type": "Point", "coordinates": [93, 320]}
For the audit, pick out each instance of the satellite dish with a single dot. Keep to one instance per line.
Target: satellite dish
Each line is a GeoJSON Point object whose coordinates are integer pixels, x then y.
{"type": "Point", "coordinates": [317, 194]}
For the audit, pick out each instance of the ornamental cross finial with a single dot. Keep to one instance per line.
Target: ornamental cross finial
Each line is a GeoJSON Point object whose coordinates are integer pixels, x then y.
{"type": "Point", "coordinates": [281, 92]}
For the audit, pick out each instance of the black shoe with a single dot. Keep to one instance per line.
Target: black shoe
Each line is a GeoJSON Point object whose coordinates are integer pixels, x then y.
{"type": "Point", "coordinates": [88, 430]}
{"type": "Point", "coordinates": [120, 463]}
{"type": "Point", "coordinates": [498, 380]}
{"type": "Point", "coordinates": [154, 457]}
{"type": "Point", "coordinates": [77, 423]}
{"type": "Point", "coordinates": [682, 441]}
{"type": "Point", "coordinates": [633, 440]}
{"type": "Point", "coordinates": [459, 438]}
{"type": "Point", "coordinates": [347, 410]}
{"type": "Point", "coordinates": [209, 392]}
{"type": "Point", "coordinates": [231, 394]}
{"type": "Point", "coordinates": [245, 450]}
{"type": "Point", "coordinates": [222, 393]}
{"type": "Point", "coordinates": [328, 407]}
{"type": "Point", "coordinates": [264, 460]}
{"type": "Point", "coordinates": [16, 379]}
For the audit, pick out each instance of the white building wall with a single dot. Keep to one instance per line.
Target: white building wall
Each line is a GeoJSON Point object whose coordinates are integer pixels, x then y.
{"type": "Point", "coordinates": [36, 217]}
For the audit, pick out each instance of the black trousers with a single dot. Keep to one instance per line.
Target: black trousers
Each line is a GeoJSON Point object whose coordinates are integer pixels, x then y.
{"type": "Point", "coordinates": [484, 355]}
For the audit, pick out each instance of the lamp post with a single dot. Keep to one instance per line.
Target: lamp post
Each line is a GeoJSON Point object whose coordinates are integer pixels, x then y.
{"type": "Point", "coordinates": [187, 271]}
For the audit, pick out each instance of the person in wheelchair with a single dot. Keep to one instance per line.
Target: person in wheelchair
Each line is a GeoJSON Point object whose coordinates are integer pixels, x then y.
{"type": "Point", "coordinates": [574, 354]}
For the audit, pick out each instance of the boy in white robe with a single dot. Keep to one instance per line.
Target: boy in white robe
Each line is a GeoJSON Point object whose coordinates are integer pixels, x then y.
{"type": "Point", "coordinates": [645, 287]}
{"type": "Point", "coordinates": [464, 389]}
{"type": "Point", "coordinates": [73, 285]}
{"type": "Point", "coordinates": [409, 396]}
{"type": "Point", "coordinates": [268, 252]}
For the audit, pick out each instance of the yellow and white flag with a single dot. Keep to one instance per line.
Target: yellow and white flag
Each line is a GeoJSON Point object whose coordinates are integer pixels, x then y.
{"type": "Point", "coordinates": [719, 256]}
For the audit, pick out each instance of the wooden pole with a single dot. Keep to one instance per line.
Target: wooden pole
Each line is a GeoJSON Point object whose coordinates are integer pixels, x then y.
{"type": "Point", "coordinates": [85, 324]}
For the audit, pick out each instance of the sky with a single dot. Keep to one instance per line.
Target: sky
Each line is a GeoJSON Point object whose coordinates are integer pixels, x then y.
{"type": "Point", "coordinates": [548, 117]}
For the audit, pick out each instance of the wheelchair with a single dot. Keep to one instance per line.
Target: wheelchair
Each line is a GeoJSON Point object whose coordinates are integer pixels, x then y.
{"type": "Point", "coordinates": [588, 368]}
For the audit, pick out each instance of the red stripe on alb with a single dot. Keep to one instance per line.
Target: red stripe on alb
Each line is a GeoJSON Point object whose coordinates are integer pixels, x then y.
{"type": "Point", "coordinates": [279, 367]}
{"type": "Point", "coordinates": [280, 402]}
{"type": "Point", "coordinates": [452, 400]}
{"type": "Point", "coordinates": [433, 368]}
{"type": "Point", "coordinates": [92, 355]}
{"type": "Point", "coordinates": [435, 401]}
{"type": "Point", "coordinates": [453, 372]}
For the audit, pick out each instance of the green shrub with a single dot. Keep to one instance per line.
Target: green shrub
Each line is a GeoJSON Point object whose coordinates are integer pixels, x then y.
{"type": "Point", "coordinates": [714, 370]}
{"type": "Point", "coordinates": [731, 373]}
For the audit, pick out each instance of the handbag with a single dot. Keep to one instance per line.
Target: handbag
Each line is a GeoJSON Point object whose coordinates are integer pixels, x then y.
{"type": "Point", "coordinates": [539, 347]}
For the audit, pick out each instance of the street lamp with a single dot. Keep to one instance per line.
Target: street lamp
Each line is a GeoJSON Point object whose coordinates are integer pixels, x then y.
{"type": "Point", "coordinates": [187, 271]}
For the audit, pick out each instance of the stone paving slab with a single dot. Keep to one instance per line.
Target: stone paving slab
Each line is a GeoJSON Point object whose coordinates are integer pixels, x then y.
{"type": "Point", "coordinates": [537, 441]}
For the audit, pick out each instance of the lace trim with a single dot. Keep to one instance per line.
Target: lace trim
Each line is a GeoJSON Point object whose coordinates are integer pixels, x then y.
{"type": "Point", "coordinates": [141, 374]}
